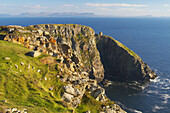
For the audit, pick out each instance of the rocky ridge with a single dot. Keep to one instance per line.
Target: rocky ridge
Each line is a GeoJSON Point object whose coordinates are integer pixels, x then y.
{"type": "Point", "coordinates": [82, 57]}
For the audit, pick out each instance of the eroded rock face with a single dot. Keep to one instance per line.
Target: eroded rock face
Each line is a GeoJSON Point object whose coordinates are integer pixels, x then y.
{"type": "Point", "coordinates": [120, 63]}
{"type": "Point", "coordinates": [75, 41]}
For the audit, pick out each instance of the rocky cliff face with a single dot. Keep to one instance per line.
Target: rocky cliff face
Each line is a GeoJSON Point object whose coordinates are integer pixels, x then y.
{"type": "Point", "coordinates": [120, 63]}
{"type": "Point", "coordinates": [77, 41]}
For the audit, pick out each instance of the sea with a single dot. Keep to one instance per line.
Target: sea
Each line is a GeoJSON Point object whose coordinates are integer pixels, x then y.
{"type": "Point", "coordinates": [148, 37]}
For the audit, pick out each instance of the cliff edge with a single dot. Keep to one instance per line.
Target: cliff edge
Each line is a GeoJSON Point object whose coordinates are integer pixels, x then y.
{"type": "Point", "coordinates": [120, 63]}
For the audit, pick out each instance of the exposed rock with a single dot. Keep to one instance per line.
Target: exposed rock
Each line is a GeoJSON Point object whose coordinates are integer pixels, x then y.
{"type": "Point", "coordinates": [69, 89]}
{"type": "Point", "coordinates": [33, 53]}
{"type": "Point", "coordinates": [47, 60]}
{"type": "Point", "coordinates": [7, 58]}
{"type": "Point", "coordinates": [40, 32]}
{"type": "Point", "coordinates": [38, 70]}
{"type": "Point", "coordinates": [88, 111]}
{"type": "Point", "coordinates": [65, 48]}
{"type": "Point", "coordinates": [5, 101]}
{"type": "Point", "coordinates": [75, 59]}
{"type": "Point", "coordinates": [67, 97]}
{"type": "Point", "coordinates": [22, 63]}
{"type": "Point", "coordinates": [14, 109]}
{"type": "Point", "coordinates": [45, 78]}
{"type": "Point", "coordinates": [51, 88]}
{"type": "Point", "coordinates": [106, 83]}
{"type": "Point", "coordinates": [28, 66]}
{"type": "Point", "coordinates": [120, 63]}
{"type": "Point", "coordinates": [16, 66]}
{"type": "Point", "coordinates": [76, 102]}
{"type": "Point", "coordinates": [96, 93]}
{"type": "Point", "coordinates": [100, 33]}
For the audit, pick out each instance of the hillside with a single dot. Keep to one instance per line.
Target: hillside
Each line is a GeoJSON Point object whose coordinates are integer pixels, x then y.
{"type": "Point", "coordinates": [28, 84]}
{"type": "Point", "coordinates": [60, 68]}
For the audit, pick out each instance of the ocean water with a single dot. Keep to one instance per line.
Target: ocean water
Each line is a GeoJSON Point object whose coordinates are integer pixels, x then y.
{"type": "Point", "coordinates": [149, 38]}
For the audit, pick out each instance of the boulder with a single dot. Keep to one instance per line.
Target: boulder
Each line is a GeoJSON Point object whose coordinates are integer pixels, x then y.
{"type": "Point", "coordinates": [69, 89]}
{"type": "Point", "coordinates": [14, 109]}
{"type": "Point", "coordinates": [47, 60]}
{"type": "Point", "coordinates": [72, 78]}
{"type": "Point", "coordinates": [33, 53]}
{"type": "Point", "coordinates": [16, 66]}
{"type": "Point", "coordinates": [51, 88]}
{"type": "Point", "coordinates": [76, 102]}
{"type": "Point", "coordinates": [22, 63]}
{"type": "Point", "coordinates": [40, 32]}
{"type": "Point", "coordinates": [106, 83]}
{"type": "Point", "coordinates": [75, 59]}
{"type": "Point", "coordinates": [96, 93]}
{"type": "Point", "coordinates": [67, 97]}
{"type": "Point", "coordinates": [7, 58]}
{"type": "Point", "coordinates": [46, 33]}
{"type": "Point", "coordinates": [65, 48]}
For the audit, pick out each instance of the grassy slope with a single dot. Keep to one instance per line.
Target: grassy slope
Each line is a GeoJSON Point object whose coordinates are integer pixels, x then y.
{"type": "Point", "coordinates": [125, 48]}
{"type": "Point", "coordinates": [27, 88]}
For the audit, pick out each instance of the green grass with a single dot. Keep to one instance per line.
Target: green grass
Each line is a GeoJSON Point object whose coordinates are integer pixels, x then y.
{"type": "Point", "coordinates": [126, 48]}
{"type": "Point", "coordinates": [27, 88]}
{"type": "Point", "coordinates": [90, 104]}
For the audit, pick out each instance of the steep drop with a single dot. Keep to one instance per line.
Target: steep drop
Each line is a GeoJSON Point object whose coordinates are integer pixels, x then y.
{"type": "Point", "coordinates": [121, 63]}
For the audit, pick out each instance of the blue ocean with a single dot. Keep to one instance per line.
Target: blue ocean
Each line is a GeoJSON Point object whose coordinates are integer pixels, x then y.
{"type": "Point", "coordinates": [149, 38]}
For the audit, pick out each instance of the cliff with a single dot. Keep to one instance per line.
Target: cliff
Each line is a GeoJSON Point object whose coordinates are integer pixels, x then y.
{"type": "Point", "coordinates": [78, 39]}
{"type": "Point", "coordinates": [81, 59]}
{"type": "Point", "coordinates": [120, 63]}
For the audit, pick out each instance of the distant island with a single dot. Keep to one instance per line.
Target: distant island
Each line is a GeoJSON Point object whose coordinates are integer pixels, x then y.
{"type": "Point", "coordinates": [46, 14]}
{"type": "Point", "coordinates": [65, 14]}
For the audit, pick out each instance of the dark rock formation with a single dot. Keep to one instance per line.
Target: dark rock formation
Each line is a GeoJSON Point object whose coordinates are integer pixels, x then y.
{"type": "Point", "coordinates": [120, 63]}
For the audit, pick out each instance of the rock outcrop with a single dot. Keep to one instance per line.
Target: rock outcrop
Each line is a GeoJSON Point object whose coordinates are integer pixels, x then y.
{"type": "Point", "coordinates": [121, 63]}
{"type": "Point", "coordinates": [55, 39]}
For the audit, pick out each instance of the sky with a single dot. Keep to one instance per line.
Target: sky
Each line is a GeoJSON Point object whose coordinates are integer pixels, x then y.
{"type": "Point", "coordinates": [115, 8]}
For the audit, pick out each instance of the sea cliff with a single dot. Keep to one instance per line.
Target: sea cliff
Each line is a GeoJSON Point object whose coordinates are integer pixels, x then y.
{"type": "Point", "coordinates": [80, 60]}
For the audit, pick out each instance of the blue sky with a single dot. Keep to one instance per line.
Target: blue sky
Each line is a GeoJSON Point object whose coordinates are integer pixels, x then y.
{"type": "Point", "coordinates": [119, 8]}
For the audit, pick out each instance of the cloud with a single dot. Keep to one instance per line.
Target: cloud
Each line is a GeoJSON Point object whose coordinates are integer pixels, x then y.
{"type": "Point", "coordinates": [68, 5]}
{"type": "Point", "coordinates": [34, 6]}
{"type": "Point", "coordinates": [7, 4]}
{"type": "Point", "coordinates": [166, 5]}
{"type": "Point", "coordinates": [120, 5]}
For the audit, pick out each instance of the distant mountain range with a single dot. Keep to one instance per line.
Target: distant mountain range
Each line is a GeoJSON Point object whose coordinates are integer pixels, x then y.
{"type": "Point", "coordinates": [46, 14]}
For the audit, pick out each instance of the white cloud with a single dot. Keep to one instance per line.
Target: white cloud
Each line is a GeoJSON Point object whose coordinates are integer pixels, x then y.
{"type": "Point", "coordinates": [7, 4]}
{"type": "Point", "coordinates": [121, 5]}
{"type": "Point", "coordinates": [166, 5]}
{"type": "Point", "coordinates": [34, 6]}
{"type": "Point", "coordinates": [68, 5]}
